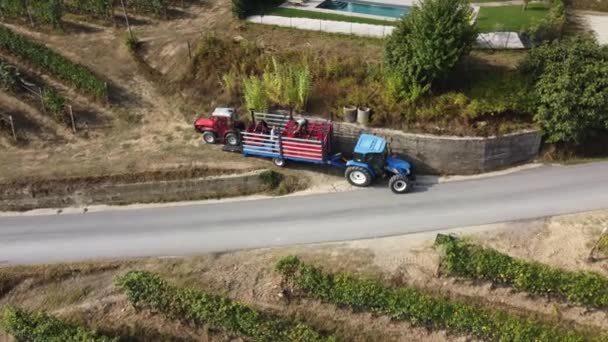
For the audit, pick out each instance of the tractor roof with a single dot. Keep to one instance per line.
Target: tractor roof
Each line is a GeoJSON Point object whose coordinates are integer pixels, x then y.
{"type": "Point", "coordinates": [370, 144]}
{"type": "Point", "coordinates": [226, 112]}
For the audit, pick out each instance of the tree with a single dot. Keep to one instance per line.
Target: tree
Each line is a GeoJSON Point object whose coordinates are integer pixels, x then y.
{"type": "Point", "coordinates": [571, 84]}
{"type": "Point", "coordinates": [429, 42]}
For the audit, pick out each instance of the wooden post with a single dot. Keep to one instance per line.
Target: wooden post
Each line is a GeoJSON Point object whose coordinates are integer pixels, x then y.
{"type": "Point", "coordinates": [124, 12]}
{"type": "Point", "coordinates": [72, 119]}
{"type": "Point", "coordinates": [189, 50]}
{"type": "Point", "coordinates": [10, 121]}
{"type": "Point", "coordinates": [252, 116]}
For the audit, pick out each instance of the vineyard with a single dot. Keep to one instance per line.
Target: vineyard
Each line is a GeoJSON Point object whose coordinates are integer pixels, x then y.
{"type": "Point", "coordinates": [46, 59]}
{"type": "Point", "coordinates": [51, 12]}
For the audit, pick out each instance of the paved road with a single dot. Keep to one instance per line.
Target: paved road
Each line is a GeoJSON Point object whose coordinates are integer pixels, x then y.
{"type": "Point", "coordinates": [375, 212]}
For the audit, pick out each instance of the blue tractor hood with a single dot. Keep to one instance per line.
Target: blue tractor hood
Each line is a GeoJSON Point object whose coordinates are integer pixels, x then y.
{"type": "Point", "coordinates": [399, 165]}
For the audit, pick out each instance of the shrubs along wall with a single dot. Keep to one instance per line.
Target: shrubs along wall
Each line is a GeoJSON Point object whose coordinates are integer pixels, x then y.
{"type": "Point", "coordinates": [410, 304]}
{"type": "Point", "coordinates": [244, 8]}
{"type": "Point", "coordinates": [146, 290]}
{"type": "Point", "coordinates": [38, 326]}
{"type": "Point", "coordinates": [50, 61]}
{"type": "Point", "coordinates": [464, 259]}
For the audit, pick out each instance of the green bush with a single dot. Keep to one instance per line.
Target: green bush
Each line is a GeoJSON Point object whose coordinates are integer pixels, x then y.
{"type": "Point", "coordinates": [548, 29]}
{"type": "Point", "coordinates": [428, 43]}
{"type": "Point", "coordinates": [570, 83]}
{"type": "Point", "coordinates": [420, 308]}
{"type": "Point", "coordinates": [467, 260]}
{"type": "Point", "coordinates": [271, 179]}
{"type": "Point", "coordinates": [54, 103]}
{"type": "Point", "coordinates": [8, 76]}
{"type": "Point", "coordinates": [244, 8]}
{"type": "Point", "coordinates": [41, 56]}
{"type": "Point", "coordinates": [147, 290]}
{"type": "Point", "coordinates": [40, 327]}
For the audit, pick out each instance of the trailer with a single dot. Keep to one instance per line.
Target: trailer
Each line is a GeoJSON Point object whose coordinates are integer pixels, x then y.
{"type": "Point", "coordinates": [298, 140]}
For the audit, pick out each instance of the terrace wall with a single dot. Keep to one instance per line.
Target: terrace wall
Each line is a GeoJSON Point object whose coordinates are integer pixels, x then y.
{"type": "Point", "coordinates": [432, 154]}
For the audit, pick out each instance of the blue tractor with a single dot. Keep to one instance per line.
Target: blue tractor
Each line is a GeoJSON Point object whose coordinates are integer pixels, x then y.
{"type": "Point", "coordinates": [371, 160]}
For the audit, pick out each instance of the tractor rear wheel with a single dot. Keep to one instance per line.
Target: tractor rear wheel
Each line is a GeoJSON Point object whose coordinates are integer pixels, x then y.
{"type": "Point", "coordinates": [400, 184]}
{"type": "Point", "coordinates": [232, 139]}
{"type": "Point", "coordinates": [358, 176]}
{"type": "Point", "coordinates": [209, 137]}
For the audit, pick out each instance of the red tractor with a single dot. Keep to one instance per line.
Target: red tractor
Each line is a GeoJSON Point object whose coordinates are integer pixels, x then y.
{"type": "Point", "coordinates": [222, 126]}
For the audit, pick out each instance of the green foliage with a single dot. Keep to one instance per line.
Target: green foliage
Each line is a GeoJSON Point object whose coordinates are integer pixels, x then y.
{"type": "Point", "coordinates": [271, 179]}
{"type": "Point", "coordinates": [133, 43]}
{"type": "Point", "coordinates": [419, 308]}
{"type": "Point", "coordinates": [47, 11]}
{"type": "Point", "coordinates": [47, 59]}
{"type": "Point", "coordinates": [98, 8]}
{"type": "Point", "coordinates": [147, 290]}
{"type": "Point", "coordinates": [287, 85]}
{"type": "Point", "coordinates": [13, 8]}
{"type": "Point", "coordinates": [54, 103]}
{"type": "Point", "coordinates": [9, 76]}
{"type": "Point", "coordinates": [471, 261]}
{"type": "Point", "coordinates": [44, 11]}
{"type": "Point", "coordinates": [40, 327]}
{"type": "Point", "coordinates": [156, 7]}
{"type": "Point", "coordinates": [571, 84]}
{"type": "Point", "coordinates": [244, 8]}
{"type": "Point", "coordinates": [428, 43]}
{"type": "Point", "coordinates": [256, 97]}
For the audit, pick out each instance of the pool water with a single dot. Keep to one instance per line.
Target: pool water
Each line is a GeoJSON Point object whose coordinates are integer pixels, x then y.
{"type": "Point", "coordinates": [362, 7]}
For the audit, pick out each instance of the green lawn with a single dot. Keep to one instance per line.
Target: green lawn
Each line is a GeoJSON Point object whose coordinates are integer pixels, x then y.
{"type": "Point", "coordinates": [296, 13]}
{"type": "Point", "coordinates": [510, 18]}
{"type": "Point", "coordinates": [491, 19]}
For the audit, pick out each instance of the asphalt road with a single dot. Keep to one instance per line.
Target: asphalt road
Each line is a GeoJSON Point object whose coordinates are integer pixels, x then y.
{"type": "Point", "coordinates": [375, 212]}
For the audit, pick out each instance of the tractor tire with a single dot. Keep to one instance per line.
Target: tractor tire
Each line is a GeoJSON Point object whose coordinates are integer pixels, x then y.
{"type": "Point", "coordinates": [232, 139]}
{"type": "Point", "coordinates": [279, 162]}
{"type": "Point", "coordinates": [358, 176]}
{"type": "Point", "coordinates": [400, 184]}
{"type": "Point", "coordinates": [209, 137]}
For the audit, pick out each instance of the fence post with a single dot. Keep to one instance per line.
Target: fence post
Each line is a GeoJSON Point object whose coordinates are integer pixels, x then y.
{"type": "Point", "coordinates": [10, 121]}
{"type": "Point", "coordinates": [72, 118]}
{"type": "Point", "coordinates": [189, 50]}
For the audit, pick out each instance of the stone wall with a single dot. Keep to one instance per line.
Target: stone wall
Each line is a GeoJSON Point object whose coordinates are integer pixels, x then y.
{"type": "Point", "coordinates": [448, 155]}
{"type": "Point", "coordinates": [62, 195]}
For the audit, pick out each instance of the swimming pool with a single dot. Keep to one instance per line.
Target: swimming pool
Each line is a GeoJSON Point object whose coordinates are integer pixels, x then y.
{"type": "Point", "coordinates": [362, 7]}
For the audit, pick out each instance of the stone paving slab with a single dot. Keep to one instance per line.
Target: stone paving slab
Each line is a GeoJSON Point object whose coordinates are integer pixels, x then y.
{"type": "Point", "coordinates": [599, 25]}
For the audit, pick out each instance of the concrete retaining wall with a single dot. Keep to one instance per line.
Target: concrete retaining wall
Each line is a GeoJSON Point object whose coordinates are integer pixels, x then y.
{"type": "Point", "coordinates": [125, 193]}
{"type": "Point", "coordinates": [449, 155]}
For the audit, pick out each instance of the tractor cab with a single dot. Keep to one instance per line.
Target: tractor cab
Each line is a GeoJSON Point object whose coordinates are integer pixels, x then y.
{"type": "Point", "coordinates": [222, 125]}
{"type": "Point", "coordinates": [371, 159]}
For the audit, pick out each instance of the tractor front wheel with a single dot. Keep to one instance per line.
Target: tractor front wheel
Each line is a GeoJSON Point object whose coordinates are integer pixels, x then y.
{"type": "Point", "coordinates": [358, 176]}
{"type": "Point", "coordinates": [209, 137]}
{"type": "Point", "coordinates": [232, 139]}
{"type": "Point", "coordinates": [400, 184]}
